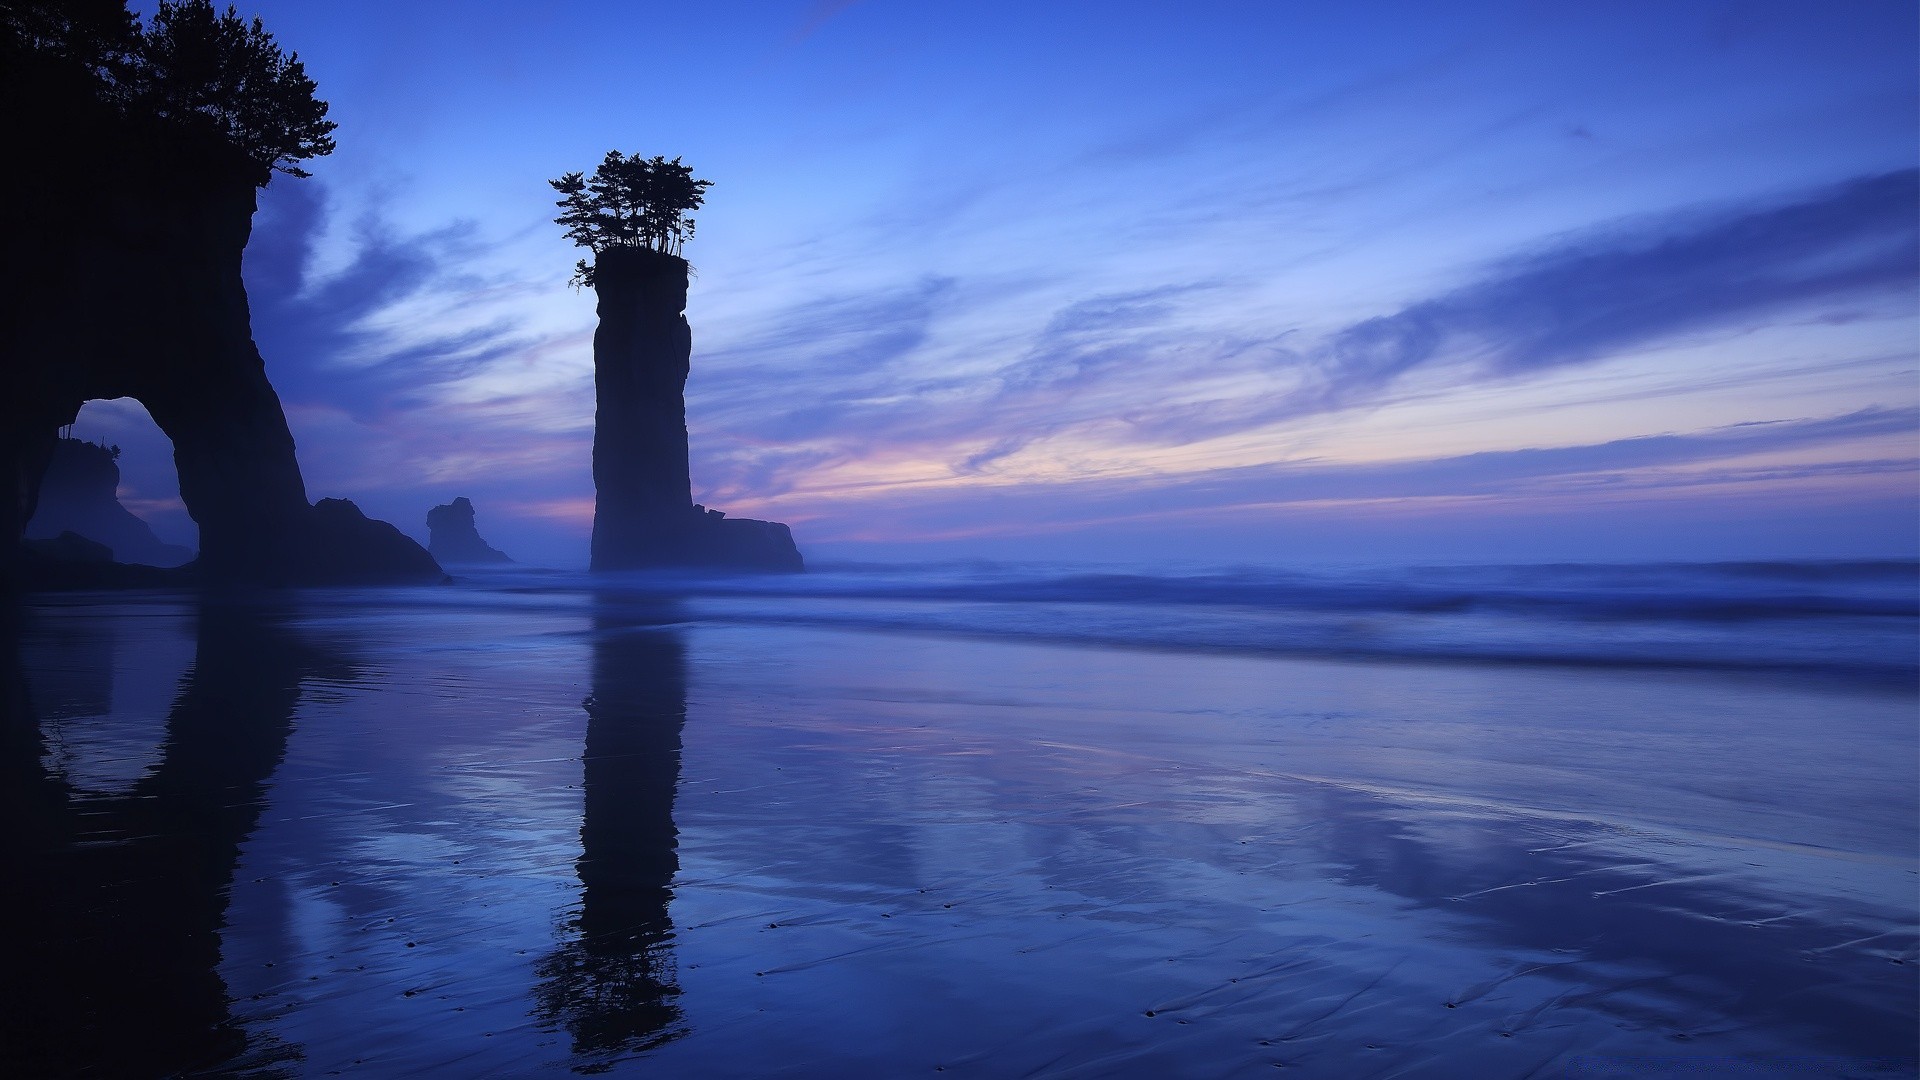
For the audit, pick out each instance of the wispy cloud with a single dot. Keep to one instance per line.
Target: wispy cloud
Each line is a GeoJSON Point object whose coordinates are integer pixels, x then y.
{"type": "Point", "coordinates": [819, 15]}
{"type": "Point", "coordinates": [906, 375]}
{"type": "Point", "coordinates": [364, 337]}
{"type": "Point", "coordinates": [1601, 294]}
{"type": "Point", "coordinates": [402, 359]}
{"type": "Point", "coordinates": [399, 370]}
{"type": "Point", "coordinates": [1649, 466]}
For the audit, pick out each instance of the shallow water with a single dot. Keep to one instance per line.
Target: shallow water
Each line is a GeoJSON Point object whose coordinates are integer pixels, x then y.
{"type": "Point", "coordinates": [858, 828]}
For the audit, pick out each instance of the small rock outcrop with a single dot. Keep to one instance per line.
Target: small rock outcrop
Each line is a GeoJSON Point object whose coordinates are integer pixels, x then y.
{"type": "Point", "coordinates": [452, 538]}
{"type": "Point", "coordinates": [71, 561]}
{"type": "Point", "coordinates": [346, 546]}
{"type": "Point", "coordinates": [69, 547]}
{"type": "Point", "coordinates": [644, 514]}
{"type": "Point", "coordinates": [78, 494]}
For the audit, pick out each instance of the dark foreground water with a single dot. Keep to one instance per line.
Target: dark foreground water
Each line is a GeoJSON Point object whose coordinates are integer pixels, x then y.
{"type": "Point", "coordinates": [975, 821]}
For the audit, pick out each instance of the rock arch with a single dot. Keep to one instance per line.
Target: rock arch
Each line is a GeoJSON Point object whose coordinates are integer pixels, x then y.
{"type": "Point", "coordinates": [148, 303]}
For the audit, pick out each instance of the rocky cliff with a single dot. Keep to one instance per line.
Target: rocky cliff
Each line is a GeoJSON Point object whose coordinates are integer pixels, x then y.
{"type": "Point", "coordinates": [346, 547]}
{"type": "Point", "coordinates": [79, 494]}
{"type": "Point", "coordinates": [452, 537]}
{"type": "Point", "coordinates": [644, 514]}
{"type": "Point", "coordinates": [126, 283]}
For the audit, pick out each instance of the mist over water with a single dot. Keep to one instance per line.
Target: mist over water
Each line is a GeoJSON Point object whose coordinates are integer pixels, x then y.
{"type": "Point", "coordinates": [1850, 620]}
{"type": "Point", "coordinates": [983, 819]}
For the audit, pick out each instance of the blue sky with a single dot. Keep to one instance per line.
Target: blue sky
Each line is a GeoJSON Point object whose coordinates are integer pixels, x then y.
{"type": "Point", "coordinates": [1206, 281]}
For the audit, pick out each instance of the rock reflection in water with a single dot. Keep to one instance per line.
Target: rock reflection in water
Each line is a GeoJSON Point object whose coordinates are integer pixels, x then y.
{"type": "Point", "coordinates": [614, 985]}
{"type": "Point", "coordinates": [118, 899]}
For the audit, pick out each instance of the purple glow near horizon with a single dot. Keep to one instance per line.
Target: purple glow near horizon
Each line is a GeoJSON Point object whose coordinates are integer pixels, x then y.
{"type": "Point", "coordinates": [1232, 282]}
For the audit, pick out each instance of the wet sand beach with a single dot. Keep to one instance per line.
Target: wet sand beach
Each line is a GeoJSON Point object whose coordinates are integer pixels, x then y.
{"type": "Point", "coordinates": [519, 826]}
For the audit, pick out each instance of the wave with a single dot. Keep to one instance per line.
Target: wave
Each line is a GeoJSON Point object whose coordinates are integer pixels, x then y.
{"type": "Point", "coordinates": [1709, 591]}
{"type": "Point", "coordinates": [1854, 619]}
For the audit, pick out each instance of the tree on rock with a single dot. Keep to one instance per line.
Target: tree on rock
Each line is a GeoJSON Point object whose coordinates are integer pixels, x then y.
{"type": "Point", "coordinates": [629, 201]}
{"type": "Point", "coordinates": [216, 75]}
{"type": "Point", "coordinates": [135, 151]}
{"type": "Point", "coordinates": [91, 81]}
{"type": "Point", "coordinates": [64, 48]}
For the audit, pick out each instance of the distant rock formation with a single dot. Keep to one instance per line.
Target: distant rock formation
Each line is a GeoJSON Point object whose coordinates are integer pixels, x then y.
{"type": "Point", "coordinates": [69, 547]}
{"type": "Point", "coordinates": [347, 547]}
{"type": "Point", "coordinates": [451, 537]}
{"type": "Point", "coordinates": [71, 561]}
{"type": "Point", "coordinates": [79, 494]}
{"type": "Point", "coordinates": [133, 289]}
{"type": "Point", "coordinates": [644, 514]}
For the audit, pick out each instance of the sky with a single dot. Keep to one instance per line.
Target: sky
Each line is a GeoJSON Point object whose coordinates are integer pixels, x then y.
{"type": "Point", "coordinates": [1201, 282]}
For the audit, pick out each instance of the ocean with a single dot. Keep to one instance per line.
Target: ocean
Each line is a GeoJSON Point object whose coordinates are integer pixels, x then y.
{"type": "Point", "coordinates": [973, 819]}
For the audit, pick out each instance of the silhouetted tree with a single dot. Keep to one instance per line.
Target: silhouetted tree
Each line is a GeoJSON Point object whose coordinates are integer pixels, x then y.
{"type": "Point", "coordinates": [192, 75]}
{"type": "Point", "coordinates": [629, 201]}
{"type": "Point", "coordinates": [80, 41]}
{"type": "Point", "coordinates": [61, 66]}
{"type": "Point", "coordinates": [217, 74]}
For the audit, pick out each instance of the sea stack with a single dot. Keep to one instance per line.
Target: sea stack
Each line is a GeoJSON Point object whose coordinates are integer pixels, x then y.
{"type": "Point", "coordinates": [644, 514]}
{"type": "Point", "coordinates": [452, 538]}
{"type": "Point", "coordinates": [80, 494]}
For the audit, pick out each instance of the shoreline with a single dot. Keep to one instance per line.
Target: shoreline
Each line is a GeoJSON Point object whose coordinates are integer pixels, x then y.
{"type": "Point", "coordinates": [555, 829]}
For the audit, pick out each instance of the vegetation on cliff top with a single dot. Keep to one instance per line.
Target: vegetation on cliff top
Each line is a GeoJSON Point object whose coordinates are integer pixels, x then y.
{"type": "Point", "coordinates": [227, 78]}
{"type": "Point", "coordinates": [629, 202]}
{"type": "Point", "coordinates": [191, 76]}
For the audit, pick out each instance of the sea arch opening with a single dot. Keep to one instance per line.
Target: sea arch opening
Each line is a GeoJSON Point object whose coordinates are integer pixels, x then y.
{"type": "Point", "coordinates": [111, 478]}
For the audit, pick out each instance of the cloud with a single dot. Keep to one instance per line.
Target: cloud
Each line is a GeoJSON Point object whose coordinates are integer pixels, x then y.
{"type": "Point", "coordinates": [410, 368]}
{"type": "Point", "coordinates": [1067, 376]}
{"type": "Point", "coordinates": [962, 378]}
{"type": "Point", "coordinates": [1611, 291]}
{"type": "Point", "coordinates": [404, 367]}
{"type": "Point", "coordinates": [916, 372]}
{"type": "Point", "coordinates": [373, 336]}
{"type": "Point", "coordinates": [828, 380]}
{"type": "Point", "coordinates": [826, 365]}
{"type": "Point", "coordinates": [1088, 339]}
{"type": "Point", "coordinates": [819, 15]}
{"type": "Point", "coordinates": [1650, 466]}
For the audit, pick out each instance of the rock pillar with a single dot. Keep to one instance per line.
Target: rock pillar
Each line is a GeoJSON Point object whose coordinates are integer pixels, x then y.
{"type": "Point", "coordinates": [643, 506]}
{"type": "Point", "coordinates": [644, 514]}
{"type": "Point", "coordinates": [452, 537]}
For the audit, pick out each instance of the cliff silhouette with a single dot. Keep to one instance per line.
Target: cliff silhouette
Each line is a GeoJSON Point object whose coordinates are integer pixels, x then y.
{"type": "Point", "coordinates": [124, 281]}
{"type": "Point", "coordinates": [452, 537]}
{"type": "Point", "coordinates": [79, 494]}
{"type": "Point", "coordinates": [127, 893]}
{"type": "Point", "coordinates": [644, 513]}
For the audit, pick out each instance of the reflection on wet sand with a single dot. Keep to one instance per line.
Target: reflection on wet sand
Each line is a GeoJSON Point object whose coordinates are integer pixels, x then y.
{"type": "Point", "coordinates": [1620, 930]}
{"type": "Point", "coordinates": [614, 985]}
{"type": "Point", "coordinates": [120, 898]}
{"type": "Point", "coordinates": [887, 855]}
